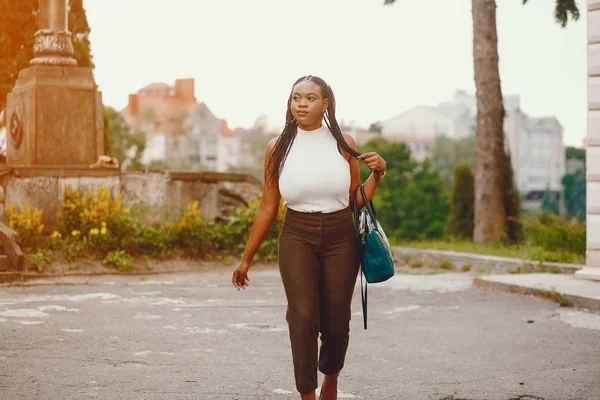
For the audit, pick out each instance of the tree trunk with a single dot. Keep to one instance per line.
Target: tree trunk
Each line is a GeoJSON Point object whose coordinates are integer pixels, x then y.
{"type": "Point", "coordinates": [490, 216]}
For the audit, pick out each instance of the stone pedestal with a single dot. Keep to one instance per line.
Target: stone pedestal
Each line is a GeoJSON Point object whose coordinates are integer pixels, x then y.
{"type": "Point", "coordinates": [54, 118]}
{"type": "Point", "coordinates": [592, 269]}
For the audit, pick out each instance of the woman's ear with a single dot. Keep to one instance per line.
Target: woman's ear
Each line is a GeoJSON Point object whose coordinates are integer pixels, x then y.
{"type": "Point", "coordinates": [325, 103]}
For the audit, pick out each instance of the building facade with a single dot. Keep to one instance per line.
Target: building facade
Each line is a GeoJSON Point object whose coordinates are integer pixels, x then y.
{"type": "Point", "coordinates": [535, 144]}
{"type": "Point", "coordinates": [592, 269]}
{"type": "Point", "coordinates": [181, 133]}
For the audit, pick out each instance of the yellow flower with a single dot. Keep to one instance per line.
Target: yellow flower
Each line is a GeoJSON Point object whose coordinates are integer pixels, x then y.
{"type": "Point", "coordinates": [103, 223]}
{"type": "Point", "coordinates": [75, 233]}
{"type": "Point", "coordinates": [56, 234]}
{"type": "Point", "coordinates": [103, 230]}
{"type": "Point", "coordinates": [94, 231]}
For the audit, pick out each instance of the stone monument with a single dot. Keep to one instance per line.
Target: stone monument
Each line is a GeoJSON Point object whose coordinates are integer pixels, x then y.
{"type": "Point", "coordinates": [54, 113]}
{"type": "Point", "coordinates": [54, 122]}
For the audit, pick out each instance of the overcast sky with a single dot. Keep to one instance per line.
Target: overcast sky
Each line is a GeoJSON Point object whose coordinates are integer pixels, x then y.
{"type": "Point", "coordinates": [380, 61]}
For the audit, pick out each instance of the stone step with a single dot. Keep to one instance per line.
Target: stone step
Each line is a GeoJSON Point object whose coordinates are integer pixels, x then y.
{"type": "Point", "coordinates": [10, 276]}
{"type": "Point", "coordinates": [566, 290]}
{"type": "Point", "coordinates": [4, 263]}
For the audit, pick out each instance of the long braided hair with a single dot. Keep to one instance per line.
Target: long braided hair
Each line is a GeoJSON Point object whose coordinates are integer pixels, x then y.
{"type": "Point", "coordinates": [286, 139]}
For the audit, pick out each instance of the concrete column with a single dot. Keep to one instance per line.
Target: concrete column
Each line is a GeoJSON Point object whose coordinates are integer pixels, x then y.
{"type": "Point", "coordinates": [592, 269]}
{"type": "Point", "coordinates": [53, 40]}
{"type": "Point", "coordinates": [53, 15]}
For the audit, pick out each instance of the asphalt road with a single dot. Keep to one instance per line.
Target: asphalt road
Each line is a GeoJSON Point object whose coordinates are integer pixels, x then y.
{"type": "Point", "coordinates": [192, 336]}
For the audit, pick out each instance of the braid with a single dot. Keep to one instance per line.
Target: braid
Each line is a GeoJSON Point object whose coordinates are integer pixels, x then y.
{"type": "Point", "coordinates": [286, 139]}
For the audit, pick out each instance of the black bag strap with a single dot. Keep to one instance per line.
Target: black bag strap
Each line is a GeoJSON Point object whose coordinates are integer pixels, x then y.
{"type": "Point", "coordinates": [356, 212]}
{"type": "Point", "coordinates": [369, 206]}
{"type": "Point", "coordinates": [363, 297]}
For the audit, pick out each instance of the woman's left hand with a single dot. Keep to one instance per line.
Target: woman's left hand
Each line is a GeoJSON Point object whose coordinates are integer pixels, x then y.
{"type": "Point", "coordinates": [374, 161]}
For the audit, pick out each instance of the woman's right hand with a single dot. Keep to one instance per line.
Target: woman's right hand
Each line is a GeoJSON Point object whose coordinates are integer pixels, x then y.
{"type": "Point", "coordinates": [240, 275]}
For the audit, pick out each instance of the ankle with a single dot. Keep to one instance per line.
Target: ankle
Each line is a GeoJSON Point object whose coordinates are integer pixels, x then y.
{"type": "Point", "coordinates": [308, 395]}
{"type": "Point", "coordinates": [331, 378]}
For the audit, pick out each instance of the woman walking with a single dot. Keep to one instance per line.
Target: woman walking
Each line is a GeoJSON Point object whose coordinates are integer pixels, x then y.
{"type": "Point", "coordinates": [314, 168]}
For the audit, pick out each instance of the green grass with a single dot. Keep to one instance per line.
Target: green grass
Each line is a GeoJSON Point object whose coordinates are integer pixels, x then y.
{"type": "Point", "coordinates": [523, 251]}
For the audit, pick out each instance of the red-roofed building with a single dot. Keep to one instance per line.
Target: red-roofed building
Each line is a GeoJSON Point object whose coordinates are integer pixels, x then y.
{"type": "Point", "coordinates": [153, 106]}
{"type": "Point", "coordinates": [181, 131]}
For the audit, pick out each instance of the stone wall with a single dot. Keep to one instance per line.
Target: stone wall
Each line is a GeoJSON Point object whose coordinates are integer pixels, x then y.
{"type": "Point", "coordinates": [44, 188]}
{"type": "Point", "coordinates": [218, 193]}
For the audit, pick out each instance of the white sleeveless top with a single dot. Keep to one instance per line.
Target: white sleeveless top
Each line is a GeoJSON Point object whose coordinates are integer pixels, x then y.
{"type": "Point", "coordinates": [315, 176]}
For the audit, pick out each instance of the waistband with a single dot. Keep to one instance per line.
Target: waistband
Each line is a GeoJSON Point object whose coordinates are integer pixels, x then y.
{"type": "Point", "coordinates": [311, 220]}
{"type": "Point", "coordinates": [318, 214]}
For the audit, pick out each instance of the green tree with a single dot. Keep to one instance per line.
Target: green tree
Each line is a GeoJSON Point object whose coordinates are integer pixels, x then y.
{"type": "Point", "coordinates": [550, 202]}
{"type": "Point", "coordinates": [80, 34]}
{"type": "Point", "coordinates": [255, 142]}
{"type": "Point", "coordinates": [18, 24]}
{"type": "Point", "coordinates": [575, 194]}
{"type": "Point", "coordinates": [426, 206]}
{"type": "Point", "coordinates": [446, 153]}
{"type": "Point", "coordinates": [575, 152]}
{"type": "Point", "coordinates": [410, 200]}
{"type": "Point", "coordinates": [16, 43]}
{"type": "Point", "coordinates": [490, 214]}
{"type": "Point", "coordinates": [375, 127]}
{"type": "Point", "coordinates": [463, 202]}
{"type": "Point", "coordinates": [124, 143]}
{"type": "Point", "coordinates": [512, 203]}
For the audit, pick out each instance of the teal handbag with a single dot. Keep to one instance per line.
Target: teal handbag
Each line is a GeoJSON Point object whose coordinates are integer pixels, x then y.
{"type": "Point", "coordinates": [375, 254]}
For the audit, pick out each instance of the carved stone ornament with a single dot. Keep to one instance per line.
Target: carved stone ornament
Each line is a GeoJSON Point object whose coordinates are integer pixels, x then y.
{"type": "Point", "coordinates": [53, 48]}
{"type": "Point", "coordinates": [16, 130]}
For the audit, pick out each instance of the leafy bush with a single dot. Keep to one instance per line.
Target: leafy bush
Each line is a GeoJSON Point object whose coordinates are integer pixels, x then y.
{"type": "Point", "coordinates": [119, 259]}
{"type": "Point", "coordinates": [27, 223]}
{"type": "Point", "coordinates": [39, 259]}
{"type": "Point", "coordinates": [552, 232]}
{"type": "Point", "coordinates": [94, 211]}
{"type": "Point", "coordinates": [191, 230]}
{"type": "Point", "coordinates": [231, 237]}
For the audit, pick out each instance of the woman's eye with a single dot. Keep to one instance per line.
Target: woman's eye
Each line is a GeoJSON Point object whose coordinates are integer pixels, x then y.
{"type": "Point", "coordinates": [312, 98]}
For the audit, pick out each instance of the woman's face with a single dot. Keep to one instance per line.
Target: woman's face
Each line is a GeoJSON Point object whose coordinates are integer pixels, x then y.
{"type": "Point", "coordinates": [308, 105]}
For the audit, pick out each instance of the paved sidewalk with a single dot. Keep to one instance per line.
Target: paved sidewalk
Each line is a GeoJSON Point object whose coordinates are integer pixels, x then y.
{"type": "Point", "coordinates": [192, 336]}
{"type": "Point", "coordinates": [563, 288]}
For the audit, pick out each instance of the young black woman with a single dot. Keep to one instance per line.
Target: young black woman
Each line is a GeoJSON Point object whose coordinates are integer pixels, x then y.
{"type": "Point", "coordinates": [314, 168]}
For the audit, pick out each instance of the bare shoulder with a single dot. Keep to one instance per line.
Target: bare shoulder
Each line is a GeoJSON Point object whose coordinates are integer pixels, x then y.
{"type": "Point", "coordinates": [271, 145]}
{"type": "Point", "coordinates": [350, 140]}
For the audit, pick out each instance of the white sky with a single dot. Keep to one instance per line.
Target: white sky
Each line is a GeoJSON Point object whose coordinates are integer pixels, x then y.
{"type": "Point", "coordinates": [380, 61]}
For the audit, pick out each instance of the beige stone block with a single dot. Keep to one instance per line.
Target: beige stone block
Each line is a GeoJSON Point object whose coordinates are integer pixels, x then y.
{"type": "Point", "coordinates": [593, 197]}
{"type": "Point", "coordinates": [594, 59]}
{"type": "Point", "coordinates": [593, 161]}
{"type": "Point", "coordinates": [593, 231]}
{"type": "Point", "coordinates": [593, 128]}
{"type": "Point", "coordinates": [594, 26]}
{"type": "Point", "coordinates": [592, 258]}
{"type": "Point", "coordinates": [594, 93]}
{"type": "Point", "coordinates": [593, 5]}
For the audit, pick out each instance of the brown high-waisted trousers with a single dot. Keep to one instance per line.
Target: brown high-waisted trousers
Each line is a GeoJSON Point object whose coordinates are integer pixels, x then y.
{"type": "Point", "coordinates": [318, 261]}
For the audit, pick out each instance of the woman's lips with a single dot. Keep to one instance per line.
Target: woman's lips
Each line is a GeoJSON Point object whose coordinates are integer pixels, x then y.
{"type": "Point", "coordinates": [302, 113]}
